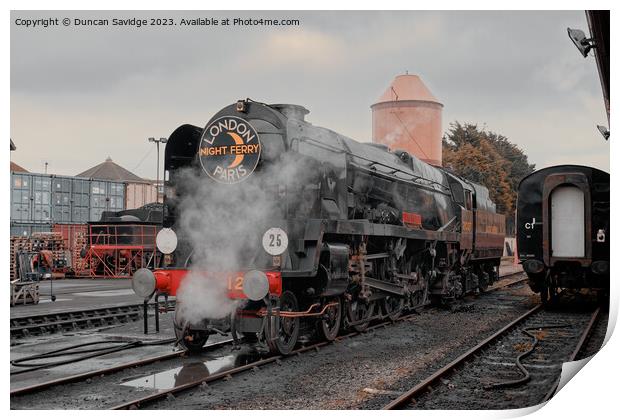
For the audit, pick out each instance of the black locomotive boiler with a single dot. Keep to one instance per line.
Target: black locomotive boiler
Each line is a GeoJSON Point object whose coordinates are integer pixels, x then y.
{"type": "Point", "coordinates": [563, 229]}
{"type": "Point", "coordinates": [365, 233]}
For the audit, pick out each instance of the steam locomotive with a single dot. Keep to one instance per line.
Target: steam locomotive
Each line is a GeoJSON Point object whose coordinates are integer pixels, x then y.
{"type": "Point", "coordinates": [563, 229]}
{"type": "Point", "coordinates": [357, 233]}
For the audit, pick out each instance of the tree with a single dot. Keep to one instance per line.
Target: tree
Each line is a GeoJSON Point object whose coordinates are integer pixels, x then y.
{"type": "Point", "coordinates": [489, 159]}
{"type": "Point", "coordinates": [519, 165]}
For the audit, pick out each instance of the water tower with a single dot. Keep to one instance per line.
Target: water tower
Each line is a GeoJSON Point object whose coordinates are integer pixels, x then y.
{"type": "Point", "coordinates": [408, 117]}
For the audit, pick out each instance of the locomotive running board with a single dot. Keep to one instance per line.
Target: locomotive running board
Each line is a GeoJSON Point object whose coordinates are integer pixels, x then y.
{"type": "Point", "coordinates": [384, 286]}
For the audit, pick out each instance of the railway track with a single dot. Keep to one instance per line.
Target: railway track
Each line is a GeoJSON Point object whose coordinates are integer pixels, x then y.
{"type": "Point", "coordinates": [516, 367]}
{"type": "Point", "coordinates": [149, 399]}
{"type": "Point", "coordinates": [107, 371]}
{"type": "Point", "coordinates": [510, 280]}
{"type": "Point", "coordinates": [59, 322]}
{"type": "Point", "coordinates": [78, 320]}
{"type": "Point", "coordinates": [140, 402]}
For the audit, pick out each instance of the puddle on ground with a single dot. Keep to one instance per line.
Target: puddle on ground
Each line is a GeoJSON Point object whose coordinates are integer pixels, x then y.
{"type": "Point", "coordinates": [106, 293]}
{"type": "Point", "coordinates": [191, 372]}
{"type": "Point", "coordinates": [48, 300]}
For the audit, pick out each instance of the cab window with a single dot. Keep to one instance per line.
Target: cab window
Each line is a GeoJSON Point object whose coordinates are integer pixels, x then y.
{"type": "Point", "coordinates": [468, 201]}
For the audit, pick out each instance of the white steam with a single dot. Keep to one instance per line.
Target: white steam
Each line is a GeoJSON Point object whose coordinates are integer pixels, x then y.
{"type": "Point", "coordinates": [223, 226]}
{"type": "Point", "coordinates": [393, 136]}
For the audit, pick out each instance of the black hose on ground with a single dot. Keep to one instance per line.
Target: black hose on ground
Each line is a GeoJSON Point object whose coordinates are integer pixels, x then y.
{"type": "Point", "coordinates": [522, 368]}
{"type": "Point", "coordinates": [83, 354]}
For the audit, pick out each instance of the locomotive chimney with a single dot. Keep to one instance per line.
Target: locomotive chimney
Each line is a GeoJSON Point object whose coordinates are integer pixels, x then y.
{"type": "Point", "coordinates": [294, 112]}
{"type": "Point", "coordinates": [408, 117]}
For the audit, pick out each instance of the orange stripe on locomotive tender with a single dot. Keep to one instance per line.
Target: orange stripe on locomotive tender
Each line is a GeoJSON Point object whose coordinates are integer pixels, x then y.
{"type": "Point", "coordinates": [413, 220]}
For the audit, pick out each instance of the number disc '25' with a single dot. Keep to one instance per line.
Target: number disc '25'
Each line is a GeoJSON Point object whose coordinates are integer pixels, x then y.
{"type": "Point", "coordinates": [275, 241]}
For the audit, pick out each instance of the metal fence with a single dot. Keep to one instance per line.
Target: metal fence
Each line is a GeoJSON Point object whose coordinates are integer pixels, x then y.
{"type": "Point", "coordinates": [118, 250]}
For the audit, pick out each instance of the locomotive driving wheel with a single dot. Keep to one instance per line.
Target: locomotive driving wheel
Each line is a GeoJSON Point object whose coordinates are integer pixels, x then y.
{"type": "Point", "coordinates": [357, 312]}
{"type": "Point", "coordinates": [419, 297]}
{"type": "Point", "coordinates": [288, 328]}
{"type": "Point", "coordinates": [393, 307]}
{"type": "Point", "coordinates": [192, 340]}
{"type": "Point", "coordinates": [330, 322]}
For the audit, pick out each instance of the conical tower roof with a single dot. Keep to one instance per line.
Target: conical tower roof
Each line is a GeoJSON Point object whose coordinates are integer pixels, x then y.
{"type": "Point", "coordinates": [407, 87]}
{"type": "Point", "coordinates": [111, 171]}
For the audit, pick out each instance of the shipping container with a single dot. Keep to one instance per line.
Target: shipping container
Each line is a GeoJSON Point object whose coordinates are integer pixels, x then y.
{"type": "Point", "coordinates": [27, 229]}
{"type": "Point", "coordinates": [139, 194]}
{"type": "Point", "coordinates": [80, 200]}
{"type": "Point", "coordinates": [31, 198]}
{"type": "Point", "coordinates": [20, 197]}
{"type": "Point", "coordinates": [39, 198]}
{"type": "Point", "coordinates": [105, 196]}
{"type": "Point", "coordinates": [61, 199]}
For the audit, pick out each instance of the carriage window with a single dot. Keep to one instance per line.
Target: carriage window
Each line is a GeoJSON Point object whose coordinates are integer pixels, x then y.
{"type": "Point", "coordinates": [468, 200]}
{"type": "Point", "coordinates": [457, 193]}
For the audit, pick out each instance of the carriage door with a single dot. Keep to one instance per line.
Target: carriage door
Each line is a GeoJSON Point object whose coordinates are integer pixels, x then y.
{"type": "Point", "coordinates": [567, 222]}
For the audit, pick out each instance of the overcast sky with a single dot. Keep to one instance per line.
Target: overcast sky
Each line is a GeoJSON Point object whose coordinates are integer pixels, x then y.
{"type": "Point", "coordinates": [79, 95]}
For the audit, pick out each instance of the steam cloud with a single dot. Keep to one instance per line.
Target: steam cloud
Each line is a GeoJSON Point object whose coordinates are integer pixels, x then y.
{"type": "Point", "coordinates": [393, 136]}
{"type": "Point", "coordinates": [223, 226]}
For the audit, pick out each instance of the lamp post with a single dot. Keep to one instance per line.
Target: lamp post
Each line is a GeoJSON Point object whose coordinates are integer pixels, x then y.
{"type": "Point", "coordinates": [158, 141]}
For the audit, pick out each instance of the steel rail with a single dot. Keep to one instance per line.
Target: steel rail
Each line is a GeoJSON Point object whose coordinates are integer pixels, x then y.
{"type": "Point", "coordinates": [28, 318]}
{"type": "Point", "coordinates": [136, 403]}
{"type": "Point", "coordinates": [421, 387]}
{"type": "Point", "coordinates": [50, 323]}
{"type": "Point", "coordinates": [57, 324]}
{"type": "Point", "coordinates": [54, 321]}
{"type": "Point", "coordinates": [585, 336]}
{"type": "Point", "coordinates": [513, 282]}
{"type": "Point", "coordinates": [106, 371]}
{"type": "Point", "coordinates": [140, 402]}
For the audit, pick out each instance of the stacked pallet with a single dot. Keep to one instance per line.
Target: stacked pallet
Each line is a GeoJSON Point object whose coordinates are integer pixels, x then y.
{"type": "Point", "coordinates": [18, 243]}
{"type": "Point", "coordinates": [36, 242]}
{"type": "Point", "coordinates": [51, 241]}
{"type": "Point", "coordinates": [76, 239]}
{"type": "Point", "coordinates": [24, 293]}
{"type": "Point", "coordinates": [79, 242]}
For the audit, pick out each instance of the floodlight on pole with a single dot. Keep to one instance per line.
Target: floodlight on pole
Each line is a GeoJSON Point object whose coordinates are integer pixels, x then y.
{"type": "Point", "coordinates": [604, 131]}
{"type": "Point", "coordinates": [583, 43]}
{"type": "Point", "coordinates": [158, 141]}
